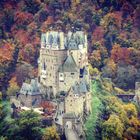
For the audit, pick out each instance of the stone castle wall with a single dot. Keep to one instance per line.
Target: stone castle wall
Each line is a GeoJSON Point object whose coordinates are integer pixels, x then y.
{"type": "Point", "coordinates": [52, 59]}
{"type": "Point", "coordinates": [69, 79]}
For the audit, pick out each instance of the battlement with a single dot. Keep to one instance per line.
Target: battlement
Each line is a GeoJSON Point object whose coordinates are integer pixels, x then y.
{"type": "Point", "coordinates": [56, 40]}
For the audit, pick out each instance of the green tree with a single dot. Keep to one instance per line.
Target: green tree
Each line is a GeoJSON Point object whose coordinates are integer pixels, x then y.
{"type": "Point", "coordinates": [5, 118]}
{"type": "Point", "coordinates": [29, 126]}
{"type": "Point", "coordinates": [26, 127]}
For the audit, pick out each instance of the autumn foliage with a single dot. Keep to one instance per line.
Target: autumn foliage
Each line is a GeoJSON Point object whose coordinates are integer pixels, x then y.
{"type": "Point", "coordinates": [113, 31]}
{"type": "Point", "coordinates": [6, 53]}
{"type": "Point", "coordinates": [120, 54]}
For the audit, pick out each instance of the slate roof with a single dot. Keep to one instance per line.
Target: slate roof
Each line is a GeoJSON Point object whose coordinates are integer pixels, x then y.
{"type": "Point", "coordinates": [71, 40]}
{"type": "Point", "coordinates": [31, 88]}
{"type": "Point", "coordinates": [69, 65]}
{"type": "Point", "coordinates": [52, 38]}
{"type": "Point", "coordinates": [74, 39]}
{"type": "Point", "coordinates": [80, 88]}
{"type": "Point", "coordinates": [72, 45]}
{"type": "Point", "coordinates": [83, 86]}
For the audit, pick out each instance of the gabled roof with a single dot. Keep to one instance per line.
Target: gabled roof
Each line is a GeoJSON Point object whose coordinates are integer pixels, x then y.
{"type": "Point", "coordinates": [75, 88]}
{"type": "Point", "coordinates": [83, 86]}
{"type": "Point", "coordinates": [74, 39]}
{"type": "Point", "coordinates": [80, 88]}
{"type": "Point", "coordinates": [72, 45]}
{"type": "Point", "coordinates": [69, 65]}
{"type": "Point", "coordinates": [31, 88]}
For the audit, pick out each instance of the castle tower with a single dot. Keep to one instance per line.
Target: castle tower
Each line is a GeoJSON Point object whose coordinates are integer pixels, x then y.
{"type": "Point", "coordinates": [63, 60]}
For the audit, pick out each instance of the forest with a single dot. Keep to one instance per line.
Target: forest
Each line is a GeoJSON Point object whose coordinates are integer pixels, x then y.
{"type": "Point", "coordinates": [113, 29]}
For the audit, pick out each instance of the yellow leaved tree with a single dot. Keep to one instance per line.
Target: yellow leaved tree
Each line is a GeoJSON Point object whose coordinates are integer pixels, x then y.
{"type": "Point", "coordinates": [51, 134]}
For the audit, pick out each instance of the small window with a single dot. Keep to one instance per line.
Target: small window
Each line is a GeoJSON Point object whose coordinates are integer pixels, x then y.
{"type": "Point", "coordinates": [61, 75]}
{"type": "Point", "coordinates": [72, 73]}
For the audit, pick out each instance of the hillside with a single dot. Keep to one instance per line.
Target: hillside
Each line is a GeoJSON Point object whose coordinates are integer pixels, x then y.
{"type": "Point", "coordinates": [113, 30]}
{"type": "Point", "coordinates": [112, 27]}
{"type": "Point", "coordinates": [111, 118]}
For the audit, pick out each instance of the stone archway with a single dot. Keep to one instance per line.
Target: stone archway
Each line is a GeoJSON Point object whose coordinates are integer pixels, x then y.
{"type": "Point", "coordinates": [68, 125]}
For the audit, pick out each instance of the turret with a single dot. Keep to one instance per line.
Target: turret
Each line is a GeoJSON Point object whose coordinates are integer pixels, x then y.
{"type": "Point", "coordinates": [43, 40]}
{"type": "Point", "coordinates": [62, 40]}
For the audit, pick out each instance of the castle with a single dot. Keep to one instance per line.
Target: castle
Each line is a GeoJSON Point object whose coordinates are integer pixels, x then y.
{"type": "Point", "coordinates": [63, 68]}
